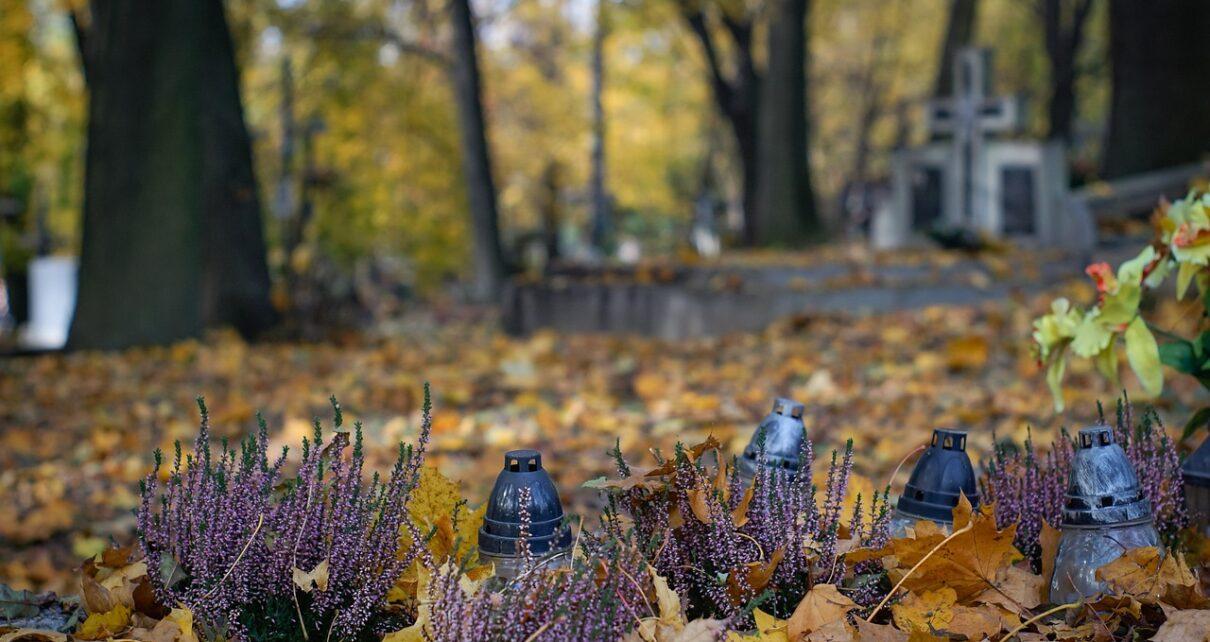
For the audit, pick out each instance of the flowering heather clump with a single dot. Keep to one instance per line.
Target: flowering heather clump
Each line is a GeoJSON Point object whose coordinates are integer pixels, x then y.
{"type": "Point", "coordinates": [725, 546]}
{"type": "Point", "coordinates": [267, 556]}
{"type": "Point", "coordinates": [1028, 487]}
{"type": "Point", "coordinates": [599, 599]}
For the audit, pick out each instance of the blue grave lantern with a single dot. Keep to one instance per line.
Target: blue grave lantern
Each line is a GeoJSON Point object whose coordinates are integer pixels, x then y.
{"type": "Point", "coordinates": [1105, 513]}
{"type": "Point", "coordinates": [549, 538]}
{"type": "Point", "coordinates": [1196, 471]}
{"type": "Point", "coordinates": [942, 475]}
{"type": "Point", "coordinates": [783, 433]}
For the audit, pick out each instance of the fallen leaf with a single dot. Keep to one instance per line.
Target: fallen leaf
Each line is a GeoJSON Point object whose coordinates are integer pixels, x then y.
{"type": "Point", "coordinates": [1185, 626]}
{"type": "Point", "coordinates": [699, 503]}
{"type": "Point", "coordinates": [1146, 573]}
{"type": "Point", "coordinates": [822, 605]}
{"type": "Point", "coordinates": [33, 635]}
{"type": "Point", "coordinates": [99, 626]}
{"type": "Point", "coordinates": [756, 576]}
{"type": "Point", "coordinates": [316, 578]}
{"type": "Point", "coordinates": [739, 516]}
{"type": "Point", "coordinates": [667, 600]}
{"type": "Point", "coordinates": [925, 612]}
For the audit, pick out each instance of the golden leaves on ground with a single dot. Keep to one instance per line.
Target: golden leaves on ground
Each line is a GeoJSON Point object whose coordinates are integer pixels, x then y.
{"type": "Point", "coordinates": [669, 624]}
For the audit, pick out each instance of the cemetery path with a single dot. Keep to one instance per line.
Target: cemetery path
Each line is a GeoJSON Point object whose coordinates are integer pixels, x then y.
{"type": "Point", "coordinates": [78, 429]}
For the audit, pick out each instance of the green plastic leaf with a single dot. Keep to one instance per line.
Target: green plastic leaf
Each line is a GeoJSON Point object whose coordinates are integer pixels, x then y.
{"type": "Point", "coordinates": [1107, 363]}
{"type": "Point", "coordinates": [1054, 377]}
{"type": "Point", "coordinates": [1184, 276]}
{"type": "Point", "coordinates": [1119, 308]}
{"type": "Point", "coordinates": [1144, 356]}
{"type": "Point", "coordinates": [1199, 419]}
{"type": "Point", "coordinates": [1180, 356]}
{"type": "Point", "coordinates": [1091, 336]}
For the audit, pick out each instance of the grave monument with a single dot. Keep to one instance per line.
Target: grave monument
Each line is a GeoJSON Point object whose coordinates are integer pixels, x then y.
{"type": "Point", "coordinates": [966, 178]}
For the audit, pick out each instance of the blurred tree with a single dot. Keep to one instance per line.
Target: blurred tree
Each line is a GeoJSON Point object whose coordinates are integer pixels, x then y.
{"type": "Point", "coordinates": [172, 236]}
{"type": "Point", "coordinates": [786, 177]}
{"type": "Point", "coordinates": [785, 202]}
{"type": "Point", "coordinates": [476, 156]}
{"type": "Point", "coordinates": [959, 33]}
{"type": "Point", "coordinates": [1063, 23]}
{"type": "Point", "coordinates": [601, 224]}
{"type": "Point", "coordinates": [1158, 115]}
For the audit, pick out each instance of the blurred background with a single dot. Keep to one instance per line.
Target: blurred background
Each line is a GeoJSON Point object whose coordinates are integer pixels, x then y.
{"type": "Point", "coordinates": [581, 220]}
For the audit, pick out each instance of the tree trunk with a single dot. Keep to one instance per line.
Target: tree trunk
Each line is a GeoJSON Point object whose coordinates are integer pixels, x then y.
{"type": "Point", "coordinates": [1158, 115]}
{"type": "Point", "coordinates": [1063, 26]}
{"type": "Point", "coordinates": [737, 99]}
{"type": "Point", "coordinates": [140, 267]}
{"type": "Point", "coordinates": [171, 233]}
{"type": "Point", "coordinates": [601, 224]}
{"type": "Point", "coordinates": [476, 156]}
{"type": "Point", "coordinates": [959, 33]}
{"type": "Point", "coordinates": [785, 207]}
{"type": "Point", "coordinates": [235, 278]}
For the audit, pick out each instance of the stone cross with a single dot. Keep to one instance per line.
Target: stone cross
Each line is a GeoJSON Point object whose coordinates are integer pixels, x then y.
{"type": "Point", "coordinates": [967, 117]}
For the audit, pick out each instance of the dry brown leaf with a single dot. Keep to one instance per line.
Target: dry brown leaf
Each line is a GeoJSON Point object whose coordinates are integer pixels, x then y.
{"type": "Point", "coordinates": [822, 605]}
{"type": "Point", "coordinates": [925, 612]}
{"type": "Point", "coordinates": [976, 622]}
{"type": "Point", "coordinates": [739, 516]}
{"type": "Point", "coordinates": [667, 600]}
{"type": "Point", "coordinates": [316, 578]}
{"type": "Point", "coordinates": [870, 632]}
{"type": "Point", "coordinates": [1185, 626]}
{"type": "Point", "coordinates": [1048, 539]}
{"type": "Point", "coordinates": [100, 626]}
{"type": "Point", "coordinates": [1017, 591]}
{"type": "Point", "coordinates": [836, 631]}
{"type": "Point", "coordinates": [756, 574]}
{"type": "Point", "coordinates": [699, 503]}
{"type": "Point", "coordinates": [1146, 573]}
{"type": "Point", "coordinates": [33, 635]}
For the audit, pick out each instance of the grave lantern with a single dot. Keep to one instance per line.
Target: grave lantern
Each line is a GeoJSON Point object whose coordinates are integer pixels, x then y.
{"type": "Point", "coordinates": [549, 539]}
{"type": "Point", "coordinates": [942, 474]}
{"type": "Point", "coordinates": [1105, 513]}
{"type": "Point", "coordinates": [783, 433]}
{"type": "Point", "coordinates": [1196, 471]}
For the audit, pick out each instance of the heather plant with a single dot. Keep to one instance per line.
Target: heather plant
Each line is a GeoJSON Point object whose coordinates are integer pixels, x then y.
{"type": "Point", "coordinates": [599, 598]}
{"type": "Point", "coordinates": [1028, 486]}
{"type": "Point", "coordinates": [261, 555]}
{"type": "Point", "coordinates": [727, 546]}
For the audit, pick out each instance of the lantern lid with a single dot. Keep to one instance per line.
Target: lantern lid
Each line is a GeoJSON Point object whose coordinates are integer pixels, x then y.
{"type": "Point", "coordinates": [783, 432]}
{"type": "Point", "coordinates": [942, 474]}
{"type": "Point", "coordinates": [502, 522]}
{"type": "Point", "coordinates": [1196, 468]}
{"type": "Point", "coordinates": [1102, 488]}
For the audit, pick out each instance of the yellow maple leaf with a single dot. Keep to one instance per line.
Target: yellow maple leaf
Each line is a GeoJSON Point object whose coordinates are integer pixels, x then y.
{"type": "Point", "coordinates": [1146, 573]}
{"type": "Point", "coordinates": [768, 629]}
{"type": "Point", "coordinates": [925, 612]}
{"type": "Point", "coordinates": [100, 626]}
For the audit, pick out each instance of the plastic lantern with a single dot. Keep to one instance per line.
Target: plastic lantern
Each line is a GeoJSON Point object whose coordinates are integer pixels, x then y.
{"type": "Point", "coordinates": [1196, 471]}
{"type": "Point", "coordinates": [942, 474]}
{"type": "Point", "coordinates": [783, 433]}
{"type": "Point", "coordinates": [549, 539]}
{"type": "Point", "coordinates": [1105, 514]}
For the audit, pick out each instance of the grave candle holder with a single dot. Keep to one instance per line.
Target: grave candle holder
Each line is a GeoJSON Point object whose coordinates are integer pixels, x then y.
{"type": "Point", "coordinates": [1105, 513]}
{"type": "Point", "coordinates": [783, 433]}
{"type": "Point", "coordinates": [1196, 471]}
{"type": "Point", "coordinates": [942, 474]}
{"type": "Point", "coordinates": [549, 539]}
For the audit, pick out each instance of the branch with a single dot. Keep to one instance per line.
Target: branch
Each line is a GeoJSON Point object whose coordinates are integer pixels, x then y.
{"type": "Point", "coordinates": [723, 89]}
{"type": "Point", "coordinates": [384, 34]}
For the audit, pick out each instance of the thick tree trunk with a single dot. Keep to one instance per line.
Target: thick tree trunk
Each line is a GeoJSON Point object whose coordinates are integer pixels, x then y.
{"type": "Point", "coordinates": [959, 33]}
{"type": "Point", "coordinates": [476, 156]}
{"type": "Point", "coordinates": [785, 206]}
{"type": "Point", "coordinates": [171, 239]}
{"type": "Point", "coordinates": [1158, 115]}
{"type": "Point", "coordinates": [235, 278]}
{"type": "Point", "coordinates": [140, 268]}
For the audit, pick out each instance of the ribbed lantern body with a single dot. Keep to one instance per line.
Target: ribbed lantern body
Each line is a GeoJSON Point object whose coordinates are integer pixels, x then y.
{"type": "Point", "coordinates": [1104, 514]}
{"type": "Point", "coordinates": [942, 474]}
{"type": "Point", "coordinates": [783, 432]}
{"type": "Point", "coordinates": [549, 539]}
{"type": "Point", "coordinates": [1196, 471]}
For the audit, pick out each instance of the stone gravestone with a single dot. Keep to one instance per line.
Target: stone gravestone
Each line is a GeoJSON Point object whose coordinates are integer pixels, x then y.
{"type": "Point", "coordinates": [966, 179]}
{"type": "Point", "coordinates": [52, 302]}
